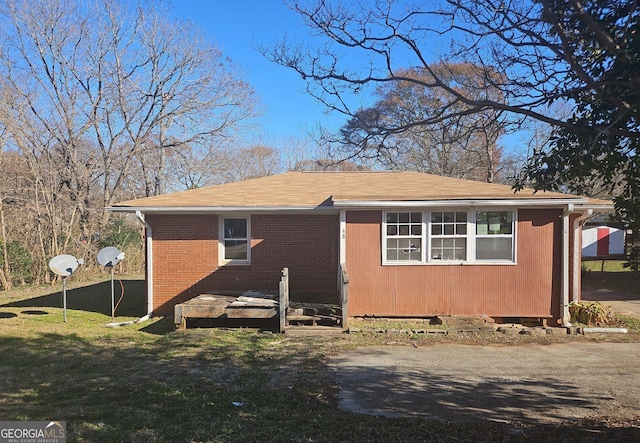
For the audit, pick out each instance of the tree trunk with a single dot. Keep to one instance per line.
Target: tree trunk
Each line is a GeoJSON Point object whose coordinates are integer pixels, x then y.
{"type": "Point", "coordinates": [5, 272]}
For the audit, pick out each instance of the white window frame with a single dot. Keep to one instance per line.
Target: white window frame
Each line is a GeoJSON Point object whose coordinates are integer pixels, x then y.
{"type": "Point", "coordinates": [399, 236]}
{"type": "Point", "coordinates": [444, 235]}
{"type": "Point", "coordinates": [471, 237]}
{"type": "Point", "coordinates": [512, 236]}
{"type": "Point", "coordinates": [222, 240]}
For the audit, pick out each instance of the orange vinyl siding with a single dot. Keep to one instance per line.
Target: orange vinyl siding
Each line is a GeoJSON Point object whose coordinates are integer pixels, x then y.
{"type": "Point", "coordinates": [530, 288]}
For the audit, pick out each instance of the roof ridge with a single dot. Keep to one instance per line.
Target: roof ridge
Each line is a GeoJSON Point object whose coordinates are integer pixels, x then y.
{"type": "Point", "coordinates": [349, 172]}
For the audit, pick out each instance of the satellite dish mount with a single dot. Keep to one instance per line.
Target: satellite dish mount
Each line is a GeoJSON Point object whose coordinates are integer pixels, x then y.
{"type": "Point", "coordinates": [64, 265]}
{"type": "Point", "coordinates": [109, 257]}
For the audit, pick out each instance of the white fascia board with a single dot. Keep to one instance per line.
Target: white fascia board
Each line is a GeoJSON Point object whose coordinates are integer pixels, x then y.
{"type": "Point", "coordinates": [218, 209]}
{"type": "Point", "coordinates": [595, 208]}
{"type": "Point", "coordinates": [459, 203]}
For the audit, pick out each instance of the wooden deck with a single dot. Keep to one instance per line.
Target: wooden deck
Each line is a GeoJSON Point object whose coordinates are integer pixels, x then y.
{"type": "Point", "coordinates": [266, 305]}
{"type": "Point", "coordinates": [243, 305]}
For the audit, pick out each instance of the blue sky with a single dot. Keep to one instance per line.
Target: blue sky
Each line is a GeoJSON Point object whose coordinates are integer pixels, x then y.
{"type": "Point", "coordinates": [237, 27]}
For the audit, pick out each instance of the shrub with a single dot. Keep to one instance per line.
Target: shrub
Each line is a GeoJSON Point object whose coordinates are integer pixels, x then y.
{"type": "Point", "coordinates": [121, 235]}
{"type": "Point", "coordinates": [20, 263]}
{"type": "Point", "coordinates": [633, 259]}
{"type": "Point", "coordinates": [591, 313]}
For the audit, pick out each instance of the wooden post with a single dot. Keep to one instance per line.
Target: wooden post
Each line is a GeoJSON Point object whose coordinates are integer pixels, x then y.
{"type": "Point", "coordinates": [344, 297]}
{"type": "Point", "coordinates": [285, 278]}
{"type": "Point", "coordinates": [179, 319]}
{"type": "Point", "coordinates": [284, 298]}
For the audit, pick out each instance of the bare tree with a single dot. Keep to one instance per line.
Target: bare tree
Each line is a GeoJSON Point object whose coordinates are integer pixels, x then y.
{"type": "Point", "coordinates": [5, 270]}
{"type": "Point", "coordinates": [524, 41]}
{"type": "Point", "coordinates": [327, 164]}
{"type": "Point", "coordinates": [192, 167]}
{"type": "Point", "coordinates": [583, 53]}
{"type": "Point", "coordinates": [121, 78]}
{"type": "Point", "coordinates": [98, 97]}
{"type": "Point", "coordinates": [254, 162]}
{"type": "Point", "coordinates": [465, 146]}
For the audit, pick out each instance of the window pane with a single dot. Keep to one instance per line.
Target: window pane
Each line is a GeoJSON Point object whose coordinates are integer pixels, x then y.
{"type": "Point", "coordinates": [449, 249]}
{"type": "Point", "coordinates": [235, 250]}
{"type": "Point", "coordinates": [403, 249]}
{"type": "Point", "coordinates": [461, 229]}
{"type": "Point", "coordinates": [497, 248]}
{"type": "Point", "coordinates": [436, 217]}
{"type": "Point", "coordinates": [412, 250]}
{"type": "Point", "coordinates": [436, 229]}
{"type": "Point", "coordinates": [235, 228]}
{"type": "Point", "coordinates": [404, 243]}
{"type": "Point", "coordinates": [392, 249]}
{"type": "Point", "coordinates": [461, 217]}
{"type": "Point", "coordinates": [407, 225]}
{"type": "Point", "coordinates": [494, 222]}
{"type": "Point", "coordinates": [448, 229]}
{"type": "Point", "coordinates": [448, 217]}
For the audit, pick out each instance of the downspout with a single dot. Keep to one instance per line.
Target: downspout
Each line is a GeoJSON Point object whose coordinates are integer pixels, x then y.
{"type": "Point", "coordinates": [149, 265]}
{"type": "Point", "coordinates": [148, 276]}
{"type": "Point", "coordinates": [342, 263]}
{"type": "Point", "coordinates": [564, 287]}
{"type": "Point", "coordinates": [577, 253]}
{"type": "Point", "coordinates": [342, 243]}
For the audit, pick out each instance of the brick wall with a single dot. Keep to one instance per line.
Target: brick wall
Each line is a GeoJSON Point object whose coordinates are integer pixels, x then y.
{"type": "Point", "coordinates": [185, 256]}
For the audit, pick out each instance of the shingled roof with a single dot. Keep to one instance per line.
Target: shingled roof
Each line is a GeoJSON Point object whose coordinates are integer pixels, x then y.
{"type": "Point", "coordinates": [326, 189]}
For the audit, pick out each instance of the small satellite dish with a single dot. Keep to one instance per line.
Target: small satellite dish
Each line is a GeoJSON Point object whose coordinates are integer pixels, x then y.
{"type": "Point", "coordinates": [64, 265]}
{"type": "Point", "coordinates": [110, 256]}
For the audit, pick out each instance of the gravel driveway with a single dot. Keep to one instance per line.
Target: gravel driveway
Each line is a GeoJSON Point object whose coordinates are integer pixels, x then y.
{"type": "Point", "coordinates": [528, 384]}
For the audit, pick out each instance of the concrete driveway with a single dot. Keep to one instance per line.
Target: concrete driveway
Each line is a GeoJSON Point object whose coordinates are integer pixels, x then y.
{"type": "Point", "coordinates": [627, 304]}
{"type": "Point", "coordinates": [528, 384]}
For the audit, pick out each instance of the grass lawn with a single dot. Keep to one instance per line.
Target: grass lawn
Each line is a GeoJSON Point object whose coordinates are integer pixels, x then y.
{"type": "Point", "coordinates": [610, 274]}
{"type": "Point", "coordinates": [146, 382]}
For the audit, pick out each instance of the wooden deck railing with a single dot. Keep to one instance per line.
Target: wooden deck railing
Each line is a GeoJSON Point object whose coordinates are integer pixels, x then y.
{"type": "Point", "coordinates": [284, 298]}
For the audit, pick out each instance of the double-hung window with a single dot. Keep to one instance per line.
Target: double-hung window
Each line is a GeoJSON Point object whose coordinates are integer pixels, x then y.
{"type": "Point", "coordinates": [446, 236]}
{"type": "Point", "coordinates": [235, 240]}
{"type": "Point", "coordinates": [494, 235]}
{"type": "Point", "coordinates": [404, 236]}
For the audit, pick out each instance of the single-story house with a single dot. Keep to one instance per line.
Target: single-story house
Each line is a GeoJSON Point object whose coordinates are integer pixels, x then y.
{"type": "Point", "coordinates": [412, 244]}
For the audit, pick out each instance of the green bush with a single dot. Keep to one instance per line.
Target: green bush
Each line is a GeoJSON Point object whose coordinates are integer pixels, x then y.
{"type": "Point", "coordinates": [20, 262]}
{"type": "Point", "coordinates": [633, 259]}
{"type": "Point", "coordinates": [121, 235]}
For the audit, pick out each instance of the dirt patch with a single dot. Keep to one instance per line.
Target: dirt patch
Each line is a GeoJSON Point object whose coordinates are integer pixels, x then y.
{"type": "Point", "coordinates": [529, 384]}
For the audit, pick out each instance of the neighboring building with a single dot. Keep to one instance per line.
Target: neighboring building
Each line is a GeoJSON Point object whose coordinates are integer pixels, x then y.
{"type": "Point", "coordinates": [603, 241]}
{"type": "Point", "coordinates": [413, 244]}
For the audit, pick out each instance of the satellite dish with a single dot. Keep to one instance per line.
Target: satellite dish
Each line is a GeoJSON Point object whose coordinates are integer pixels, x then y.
{"type": "Point", "coordinates": [64, 265]}
{"type": "Point", "coordinates": [110, 256]}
